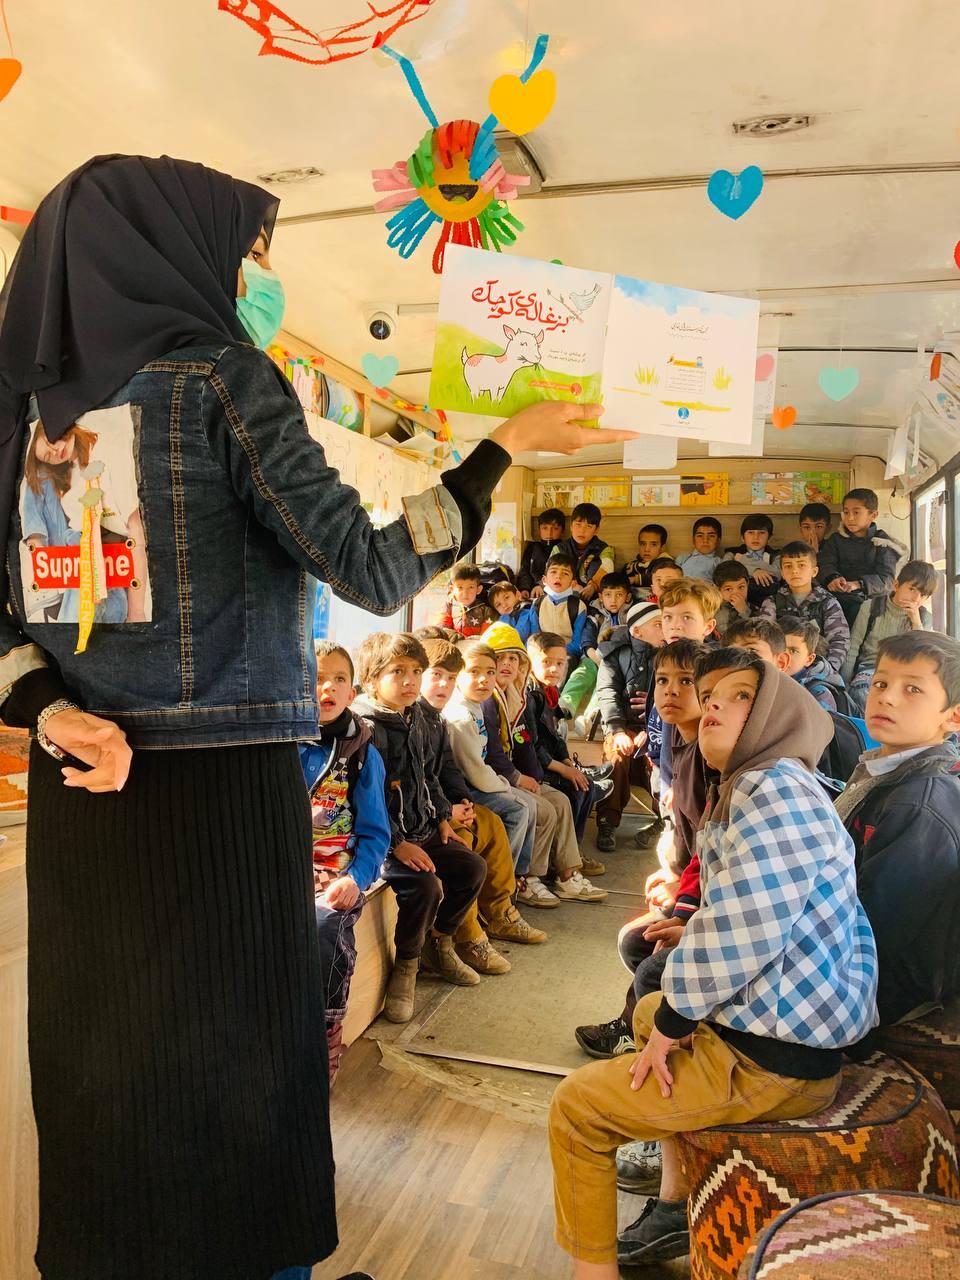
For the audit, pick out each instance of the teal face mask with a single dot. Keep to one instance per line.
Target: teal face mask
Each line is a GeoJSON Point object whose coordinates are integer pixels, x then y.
{"type": "Point", "coordinates": [261, 311]}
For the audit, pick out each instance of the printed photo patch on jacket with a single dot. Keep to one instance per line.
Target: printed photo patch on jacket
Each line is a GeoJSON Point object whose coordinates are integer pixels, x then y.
{"type": "Point", "coordinates": [83, 555]}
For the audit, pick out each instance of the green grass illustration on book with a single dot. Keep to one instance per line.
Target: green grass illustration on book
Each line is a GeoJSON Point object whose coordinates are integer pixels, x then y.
{"type": "Point", "coordinates": [471, 372]}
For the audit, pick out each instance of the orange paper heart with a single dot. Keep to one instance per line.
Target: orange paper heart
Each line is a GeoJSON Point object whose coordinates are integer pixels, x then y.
{"type": "Point", "coordinates": [10, 70]}
{"type": "Point", "coordinates": [523, 107]}
{"type": "Point", "coordinates": [784, 416]}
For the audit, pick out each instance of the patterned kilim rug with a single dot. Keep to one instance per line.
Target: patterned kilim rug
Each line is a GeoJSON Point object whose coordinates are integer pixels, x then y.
{"type": "Point", "coordinates": [14, 755]}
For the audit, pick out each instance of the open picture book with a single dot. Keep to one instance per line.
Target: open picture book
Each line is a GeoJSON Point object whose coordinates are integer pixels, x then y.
{"type": "Point", "coordinates": [662, 360]}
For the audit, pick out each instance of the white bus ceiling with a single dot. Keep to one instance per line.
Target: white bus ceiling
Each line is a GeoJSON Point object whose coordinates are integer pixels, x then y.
{"type": "Point", "coordinates": [851, 244]}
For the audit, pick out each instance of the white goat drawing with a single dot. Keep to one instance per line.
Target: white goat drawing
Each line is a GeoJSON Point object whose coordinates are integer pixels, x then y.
{"type": "Point", "coordinates": [492, 374]}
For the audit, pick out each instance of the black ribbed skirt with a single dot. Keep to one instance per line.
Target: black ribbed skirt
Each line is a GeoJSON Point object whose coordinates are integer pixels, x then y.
{"type": "Point", "coordinates": [177, 1043]}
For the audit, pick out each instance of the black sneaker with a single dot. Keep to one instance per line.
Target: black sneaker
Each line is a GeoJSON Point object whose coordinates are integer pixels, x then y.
{"type": "Point", "coordinates": [608, 1040]}
{"type": "Point", "coordinates": [595, 772]}
{"type": "Point", "coordinates": [647, 837]}
{"type": "Point", "coordinates": [602, 789]}
{"type": "Point", "coordinates": [660, 1233]}
{"type": "Point", "coordinates": [606, 837]}
{"type": "Point", "coordinates": [640, 1168]}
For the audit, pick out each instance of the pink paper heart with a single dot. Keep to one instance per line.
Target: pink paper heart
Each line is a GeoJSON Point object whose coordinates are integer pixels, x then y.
{"type": "Point", "coordinates": [765, 365]}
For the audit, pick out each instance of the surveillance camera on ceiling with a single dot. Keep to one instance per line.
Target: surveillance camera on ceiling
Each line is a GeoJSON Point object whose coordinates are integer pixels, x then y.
{"type": "Point", "coordinates": [382, 322]}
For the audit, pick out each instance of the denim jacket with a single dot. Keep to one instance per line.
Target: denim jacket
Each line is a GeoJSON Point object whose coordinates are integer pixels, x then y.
{"type": "Point", "coordinates": [239, 515]}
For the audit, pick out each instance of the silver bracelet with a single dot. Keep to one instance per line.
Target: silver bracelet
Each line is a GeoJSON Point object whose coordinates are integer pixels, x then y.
{"type": "Point", "coordinates": [51, 748]}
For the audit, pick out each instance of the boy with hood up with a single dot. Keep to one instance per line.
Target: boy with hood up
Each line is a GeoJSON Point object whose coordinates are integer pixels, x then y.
{"type": "Point", "coordinates": [771, 979]}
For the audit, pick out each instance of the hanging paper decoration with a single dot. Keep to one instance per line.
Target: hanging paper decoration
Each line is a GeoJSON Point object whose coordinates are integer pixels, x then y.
{"type": "Point", "coordinates": [839, 383]}
{"type": "Point", "coordinates": [380, 371]}
{"type": "Point", "coordinates": [10, 68]}
{"type": "Point", "coordinates": [284, 37]}
{"type": "Point", "coordinates": [784, 416]}
{"type": "Point", "coordinates": [20, 216]}
{"type": "Point", "coordinates": [956, 253]}
{"type": "Point", "coordinates": [734, 193]}
{"type": "Point", "coordinates": [455, 177]}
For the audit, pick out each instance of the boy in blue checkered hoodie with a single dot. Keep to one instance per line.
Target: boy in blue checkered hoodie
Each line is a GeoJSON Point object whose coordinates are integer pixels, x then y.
{"type": "Point", "coordinates": [772, 978]}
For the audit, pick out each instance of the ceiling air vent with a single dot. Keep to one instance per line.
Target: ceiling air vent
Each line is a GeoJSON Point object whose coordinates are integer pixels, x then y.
{"type": "Point", "coordinates": [770, 126]}
{"type": "Point", "coordinates": [286, 177]}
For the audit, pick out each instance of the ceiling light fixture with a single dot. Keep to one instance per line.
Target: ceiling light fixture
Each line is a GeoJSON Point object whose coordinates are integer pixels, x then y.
{"type": "Point", "coordinates": [519, 159]}
{"type": "Point", "coordinates": [771, 126]}
{"type": "Point", "coordinates": [287, 177]}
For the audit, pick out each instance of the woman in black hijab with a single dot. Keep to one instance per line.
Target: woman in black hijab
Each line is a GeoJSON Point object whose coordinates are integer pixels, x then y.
{"type": "Point", "coordinates": [175, 997]}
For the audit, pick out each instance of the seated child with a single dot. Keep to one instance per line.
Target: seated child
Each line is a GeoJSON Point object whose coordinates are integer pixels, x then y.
{"type": "Point", "coordinates": [562, 611]}
{"type": "Point", "coordinates": [730, 1040]}
{"type": "Point", "coordinates": [651, 545]}
{"type": "Point", "coordinates": [759, 558]}
{"type": "Point", "coordinates": [464, 615]}
{"type": "Point", "coordinates": [351, 830]}
{"type": "Point", "coordinates": [889, 615]}
{"type": "Point", "coordinates": [663, 573]}
{"type": "Point", "coordinates": [623, 687]}
{"type": "Point", "coordinates": [433, 874]}
{"type": "Point", "coordinates": [704, 558]}
{"type": "Point", "coordinates": [609, 611]}
{"type": "Point", "coordinates": [592, 557]}
{"type": "Point", "coordinates": [802, 637]}
{"type": "Point", "coordinates": [760, 636]}
{"type": "Point", "coordinates": [859, 560]}
{"type": "Point", "coordinates": [732, 580]}
{"type": "Point", "coordinates": [814, 522]}
{"type": "Point", "coordinates": [902, 808]}
{"type": "Point", "coordinates": [477, 826]}
{"type": "Point", "coordinates": [550, 527]}
{"type": "Point", "coordinates": [548, 668]}
{"type": "Point", "coordinates": [801, 596]}
{"type": "Point", "coordinates": [512, 751]}
{"type": "Point", "coordinates": [505, 602]}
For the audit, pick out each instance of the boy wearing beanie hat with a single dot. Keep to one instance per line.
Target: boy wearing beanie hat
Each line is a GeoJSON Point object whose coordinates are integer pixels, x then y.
{"type": "Point", "coordinates": [623, 686]}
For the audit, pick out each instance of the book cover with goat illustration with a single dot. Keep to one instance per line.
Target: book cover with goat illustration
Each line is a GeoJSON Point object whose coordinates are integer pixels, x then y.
{"type": "Point", "coordinates": [663, 360]}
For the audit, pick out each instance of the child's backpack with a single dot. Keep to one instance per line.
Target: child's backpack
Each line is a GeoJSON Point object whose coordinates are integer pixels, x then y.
{"type": "Point", "coordinates": [850, 740]}
{"type": "Point", "coordinates": [845, 704]}
{"type": "Point", "coordinates": [492, 571]}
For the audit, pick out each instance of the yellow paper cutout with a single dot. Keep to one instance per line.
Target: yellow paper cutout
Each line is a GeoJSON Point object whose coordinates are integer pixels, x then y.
{"type": "Point", "coordinates": [523, 107]}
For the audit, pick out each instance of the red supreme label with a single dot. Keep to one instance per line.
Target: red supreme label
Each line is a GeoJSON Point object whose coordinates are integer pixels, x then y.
{"type": "Point", "coordinates": [58, 568]}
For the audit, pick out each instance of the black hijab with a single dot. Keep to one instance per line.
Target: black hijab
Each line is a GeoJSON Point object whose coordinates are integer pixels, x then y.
{"type": "Point", "coordinates": [127, 259]}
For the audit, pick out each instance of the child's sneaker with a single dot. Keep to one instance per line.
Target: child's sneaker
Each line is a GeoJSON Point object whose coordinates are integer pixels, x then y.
{"type": "Point", "coordinates": [661, 1232]}
{"type": "Point", "coordinates": [640, 1168]}
{"type": "Point", "coordinates": [606, 837]}
{"type": "Point", "coordinates": [482, 958]}
{"type": "Point", "coordinates": [513, 928]}
{"type": "Point", "coordinates": [591, 867]}
{"type": "Point", "coordinates": [648, 836]}
{"type": "Point", "coordinates": [401, 988]}
{"type": "Point", "coordinates": [438, 956]}
{"type": "Point", "coordinates": [578, 889]}
{"type": "Point", "coordinates": [606, 1040]}
{"type": "Point", "coordinates": [534, 893]}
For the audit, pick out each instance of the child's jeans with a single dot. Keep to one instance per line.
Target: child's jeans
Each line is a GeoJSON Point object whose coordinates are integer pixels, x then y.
{"type": "Point", "coordinates": [338, 955]}
{"type": "Point", "coordinates": [437, 899]}
{"type": "Point", "coordinates": [632, 771]}
{"type": "Point", "coordinates": [594, 1111]}
{"type": "Point", "coordinates": [849, 602]}
{"type": "Point", "coordinates": [517, 812]}
{"type": "Point", "coordinates": [581, 802]}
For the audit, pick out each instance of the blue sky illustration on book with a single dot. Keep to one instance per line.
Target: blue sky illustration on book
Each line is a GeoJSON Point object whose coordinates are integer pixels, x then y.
{"type": "Point", "coordinates": [670, 298]}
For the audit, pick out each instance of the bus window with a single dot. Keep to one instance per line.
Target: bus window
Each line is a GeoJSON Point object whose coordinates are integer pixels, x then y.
{"type": "Point", "coordinates": [930, 543]}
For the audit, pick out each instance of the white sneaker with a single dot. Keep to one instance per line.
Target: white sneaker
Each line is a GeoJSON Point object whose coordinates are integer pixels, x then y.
{"type": "Point", "coordinates": [578, 889]}
{"type": "Point", "coordinates": [536, 894]}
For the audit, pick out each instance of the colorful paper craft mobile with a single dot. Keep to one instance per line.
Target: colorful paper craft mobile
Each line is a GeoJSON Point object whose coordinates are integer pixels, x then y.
{"type": "Point", "coordinates": [839, 383]}
{"type": "Point", "coordinates": [284, 37]}
{"type": "Point", "coordinates": [10, 68]}
{"type": "Point", "coordinates": [734, 193]}
{"type": "Point", "coordinates": [956, 253]}
{"type": "Point", "coordinates": [455, 177]}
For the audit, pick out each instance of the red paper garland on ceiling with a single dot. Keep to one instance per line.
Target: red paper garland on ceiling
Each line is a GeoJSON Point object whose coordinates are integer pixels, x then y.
{"type": "Point", "coordinates": [287, 38]}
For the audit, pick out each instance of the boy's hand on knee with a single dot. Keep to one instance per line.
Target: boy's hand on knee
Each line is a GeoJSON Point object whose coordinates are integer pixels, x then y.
{"type": "Point", "coordinates": [341, 894]}
{"type": "Point", "coordinates": [621, 745]}
{"type": "Point", "coordinates": [661, 888]}
{"type": "Point", "coordinates": [446, 832]}
{"type": "Point", "coordinates": [665, 933]}
{"type": "Point", "coordinates": [411, 855]}
{"type": "Point", "coordinates": [653, 1057]}
{"type": "Point", "coordinates": [529, 784]}
{"type": "Point", "coordinates": [463, 812]}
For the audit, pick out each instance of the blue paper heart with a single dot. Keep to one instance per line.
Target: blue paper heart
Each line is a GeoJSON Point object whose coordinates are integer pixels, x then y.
{"type": "Point", "coordinates": [379, 370]}
{"type": "Point", "coordinates": [734, 193]}
{"type": "Point", "coordinates": [839, 383]}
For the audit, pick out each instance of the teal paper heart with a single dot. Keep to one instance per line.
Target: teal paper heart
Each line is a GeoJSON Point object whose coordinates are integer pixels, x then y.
{"type": "Point", "coordinates": [734, 193]}
{"type": "Point", "coordinates": [379, 370]}
{"type": "Point", "coordinates": [839, 383]}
